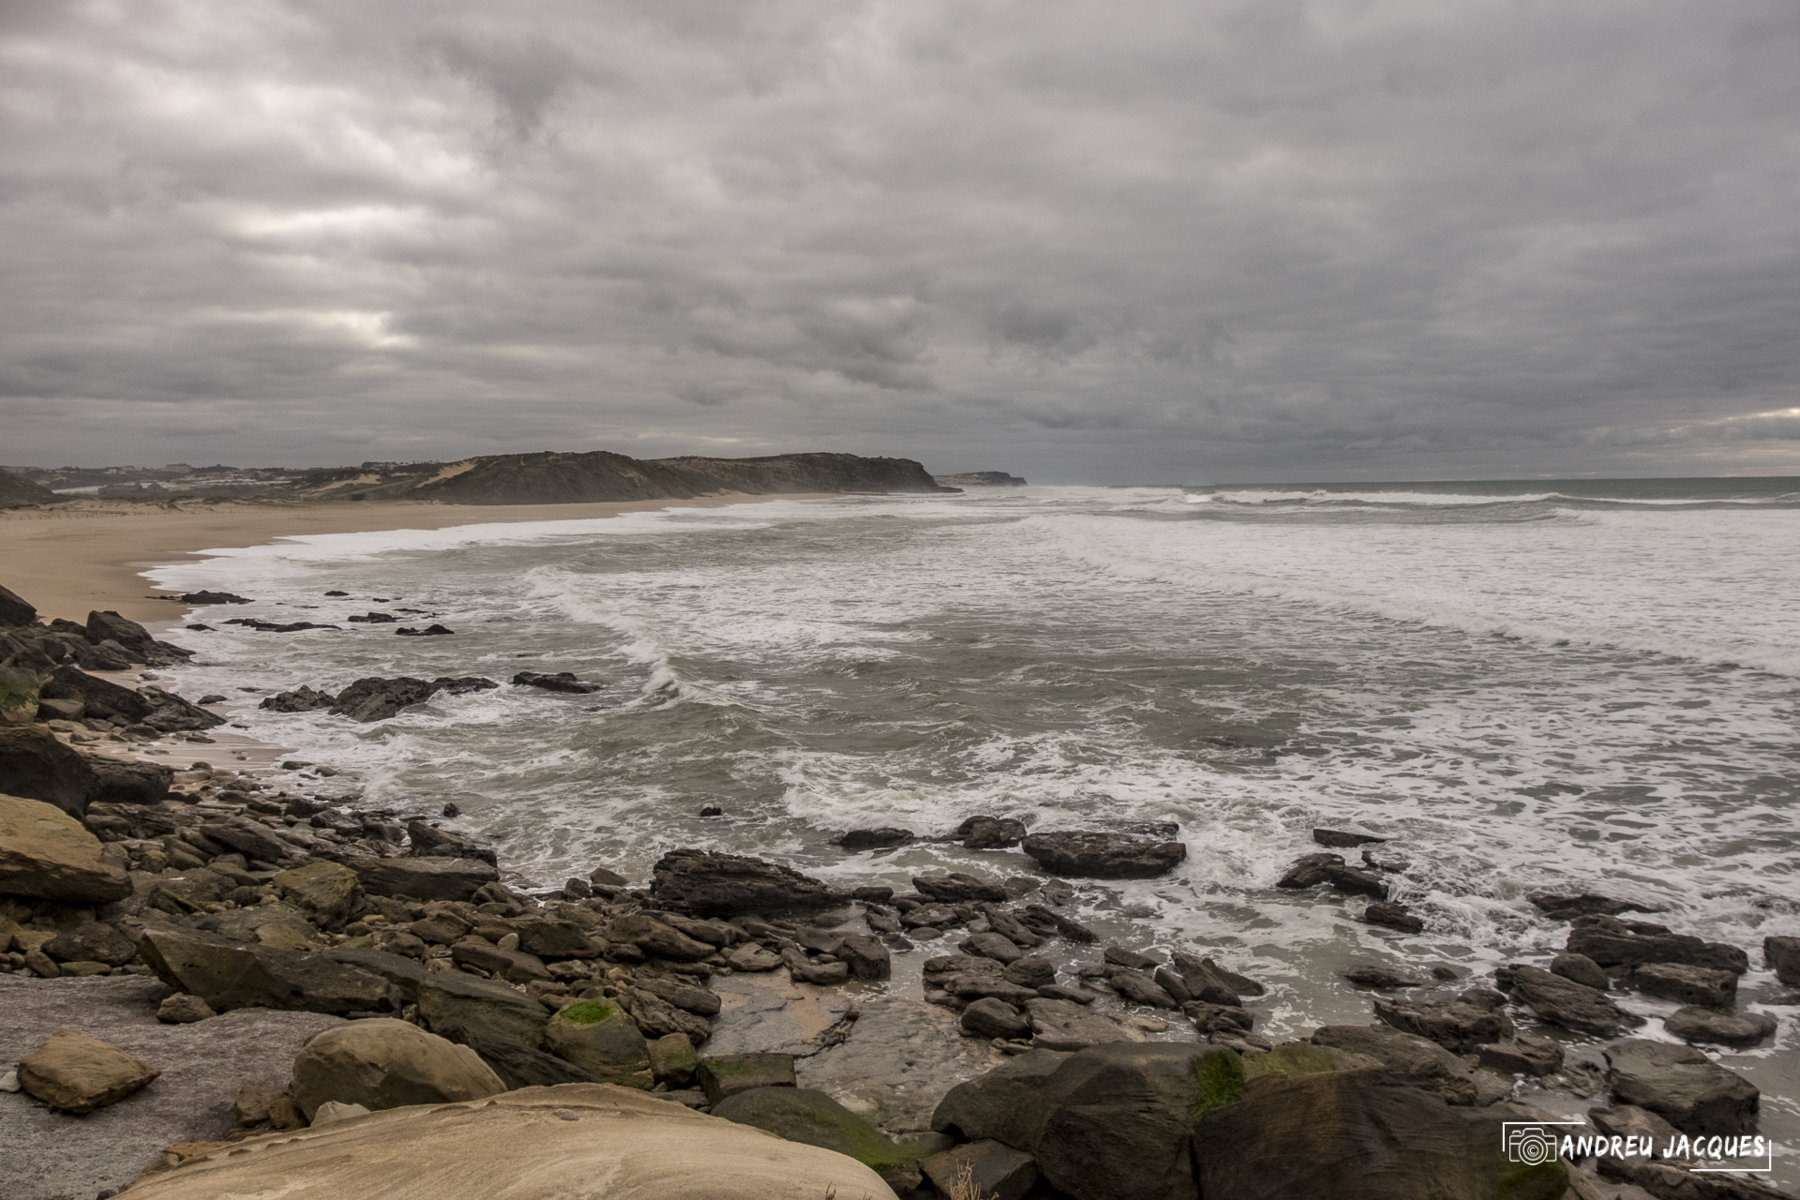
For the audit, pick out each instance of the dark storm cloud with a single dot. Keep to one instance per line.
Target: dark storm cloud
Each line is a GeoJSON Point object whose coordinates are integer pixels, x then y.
{"type": "Point", "coordinates": [1161, 242]}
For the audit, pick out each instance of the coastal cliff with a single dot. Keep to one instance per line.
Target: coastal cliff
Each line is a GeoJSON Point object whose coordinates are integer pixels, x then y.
{"type": "Point", "coordinates": [551, 477]}
{"type": "Point", "coordinates": [16, 492]}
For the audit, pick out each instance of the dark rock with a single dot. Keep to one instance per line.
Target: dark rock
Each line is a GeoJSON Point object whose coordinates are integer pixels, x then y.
{"type": "Point", "coordinates": [561, 681]}
{"type": "Point", "coordinates": [1723, 1028]}
{"type": "Point", "coordinates": [514, 966]}
{"type": "Point", "coordinates": [1299, 1135]}
{"type": "Point", "coordinates": [1682, 1085]}
{"type": "Point", "coordinates": [376, 699]}
{"type": "Point", "coordinates": [34, 765]}
{"type": "Point", "coordinates": [262, 626]}
{"type": "Point", "coordinates": [1102, 855]}
{"type": "Point", "coordinates": [1010, 927]}
{"type": "Point", "coordinates": [1047, 922]}
{"type": "Point", "coordinates": [301, 699]}
{"type": "Point", "coordinates": [212, 598]}
{"type": "Point", "coordinates": [428, 631]}
{"type": "Point", "coordinates": [102, 697]}
{"type": "Point", "coordinates": [658, 938]}
{"type": "Point", "coordinates": [1030, 972]}
{"type": "Point", "coordinates": [1611, 943]}
{"type": "Point", "coordinates": [994, 1170]}
{"type": "Point", "coordinates": [1309, 870]}
{"type": "Point", "coordinates": [1628, 1120]}
{"type": "Point", "coordinates": [884, 838]}
{"type": "Point", "coordinates": [15, 610]}
{"type": "Point", "coordinates": [1355, 880]}
{"type": "Point", "coordinates": [1587, 904]}
{"type": "Point", "coordinates": [991, 945]}
{"type": "Point", "coordinates": [866, 957]}
{"type": "Point", "coordinates": [374, 618]}
{"type": "Point", "coordinates": [1782, 954]}
{"type": "Point", "coordinates": [990, 833]}
{"type": "Point", "coordinates": [249, 838]}
{"type": "Point", "coordinates": [815, 1119]}
{"type": "Point", "coordinates": [1065, 1025]}
{"type": "Point", "coordinates": [729, 1074]}
{"type": "Point", "coordinates": [1407, 1055]}
{"type": "Point", "coordinates": [552, 938]}
{"type": "Point", "coordinates": [1566, 1003]}
{"type": "Point", "coordinates": [991, 1018]}
{"type": "Point", "coordinates": [1527, 1054]}
{"type": "Point", "coordinates": [95, 941]}
{"type": "Point", "coordinates": [1340, 839]}
{"type": "Point", "coordinates": [1120, 956]}
{"type": "Point", "coordinates": [1458, 1024]}
{"type": "Point", "coordinates": [230, 975]}
{"type": "Point", "coordinates": [1207, 981]}
{"type": "Point", "coordinates": [423, 878]}
{"type": "Point", "coordinates": [1702, 986]}
{"type": "Point", "coordinates": [431, 842]}
{"type": "Point", "coordinates": [1581, 969]}
{"type": "Point", "coordinates": [709, 884]}
{"type": "Point", "coordinates": [957, 888]}
{"type": "Point", "coordinates": [1139, 988]}
{"type": "Point", "coordinates": [1381, 977]}
{"type": "Point", "coordinates": [109, 626]}
{"type": "Point", "coordinates": [1117, 1118]}
{"type": "Point", "coordinates": [1003, 1104]}
{"type": "Point", "coordinates": [711, 810]}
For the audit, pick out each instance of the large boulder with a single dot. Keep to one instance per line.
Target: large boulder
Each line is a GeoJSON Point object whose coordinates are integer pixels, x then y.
{"type": "Point", "coordinates": [35, 765]}
{"type": "Point", "coordinates": [1415, 1059]}
{"type": "Point", "coordinates": [1708, 987]}
{"type": "Point", "coordinates": [1562, 1001]}
{"type": "Point", "coordinates": [1117, 1119]}
{"type": "Point", "coordinates": [1783, 956]}
{"type": "Point", "coordinates": [384, 1063]}
{"type": "Point", "coordinates": [1720, 1027]}
{"type": "Point", "coordinates": [102, 697]}
{"type": "Point", "coordinates": [1613, 943]}
{"type": "Point", "coordinates": [1458, 1024]}
{"type": "Point", "coordinates": [77, 1073]}
{"type": "Point", "coordinates": [705, 883]}
{"type": "Point", "coordinates": [555, 1143]}
{"type": "Point", "coordinates": [229, 975]}
{"type": "Point", "coordinates": [815, 1119]}
{"type": "Point", "coordinates": [46, 854]}
{"type": "Point", "coordinates": [1683, 1086]}
{"type": "Point", "coordinates": [1358, 1135]}
{"type": "Point", "coordinates": [1058, 1024]}
{"type": "Point", "coordinates": [377, 699]}
{"type": "Point", "coordinates": [327, 892]}
{"type": "Point", "coordinates": [423, 878]}
{"type": "Point", "coordinates": [603, 1040]}
{"type": "Point", "coordinates": [1002, 1104]}
{"type": "Point", "coordinates": [1103, 855]}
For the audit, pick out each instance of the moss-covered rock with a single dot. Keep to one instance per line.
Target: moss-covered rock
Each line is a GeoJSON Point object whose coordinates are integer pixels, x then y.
{"type": "Point", "coordinates": [729, 1074]}
{"type": "Point", "coordinates": [1302, 1058]}
{"type": "Point", "coordinates": [326, 891]}
{"type": "Point", "coordinates": [18, 696]}
{"type": "Point", "coordinates": [812, 1117]}
{"type": "Point", "coordinates": [601, 1039]}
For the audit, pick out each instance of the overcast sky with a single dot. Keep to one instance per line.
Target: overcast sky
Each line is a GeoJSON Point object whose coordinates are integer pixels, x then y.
{"type": "Point", "coordinates": [1158, 241]}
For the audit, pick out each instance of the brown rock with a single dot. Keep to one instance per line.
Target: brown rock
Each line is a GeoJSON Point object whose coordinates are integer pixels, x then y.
{"type": "Point", "coordinates": [47, 855]}
{"type": "Point", "coordinates": [77, 1073]}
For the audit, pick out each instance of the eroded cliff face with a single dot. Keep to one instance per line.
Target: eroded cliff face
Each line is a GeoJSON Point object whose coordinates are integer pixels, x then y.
{"type": "Point", "coordinates": [16, 492]}
{"type": "Point", "coordinates": [556, 478]}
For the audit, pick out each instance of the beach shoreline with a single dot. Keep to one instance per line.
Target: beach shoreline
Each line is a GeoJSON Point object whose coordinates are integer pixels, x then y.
{"type": "Point", "coordinates": [91, 555]}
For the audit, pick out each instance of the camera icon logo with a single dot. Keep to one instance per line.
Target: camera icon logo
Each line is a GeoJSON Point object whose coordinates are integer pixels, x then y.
{"type": "Point", "coordinates": [1532, 1143]}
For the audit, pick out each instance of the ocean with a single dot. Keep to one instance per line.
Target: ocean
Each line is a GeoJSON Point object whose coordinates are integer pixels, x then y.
{"type": "Point", "coordinates": [1548, 685]}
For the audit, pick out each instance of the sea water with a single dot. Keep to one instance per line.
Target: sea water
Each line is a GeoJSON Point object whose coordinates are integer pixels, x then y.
{"type": "Point", "coordinates": [1556, 685]}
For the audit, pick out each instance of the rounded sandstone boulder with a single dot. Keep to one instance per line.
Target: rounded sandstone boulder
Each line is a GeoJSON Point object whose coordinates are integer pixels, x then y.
{"type": "Point", "coordinates": [384, 1063]}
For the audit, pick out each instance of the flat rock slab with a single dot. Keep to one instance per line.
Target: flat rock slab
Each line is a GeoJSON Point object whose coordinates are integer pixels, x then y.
{"type": "Point", "coordinates": [53, 1156]}
{"type": "Point", "coordinates": [771, 1013]}
{"type": "Point", "coordinates": [898, 1060]}
{"type": "Point", "coordinates": [556, 1142]}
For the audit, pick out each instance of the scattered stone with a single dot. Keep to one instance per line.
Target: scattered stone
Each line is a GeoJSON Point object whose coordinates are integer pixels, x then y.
{"type": "Point", "coordinates": [705, 883]}
{"type": "Point", "coordinates": [1581, 969]}
{"type": "Point", "coordinates": [1526, 1054]}
{"type": "Point", "coordinates": [1341, 839]}
{"type": "Point", "coordinates": [206, 597]}
{"type": "Point", "coordinates": [77, 1073]}
{"type": "Point", "coordinates": [183, 1009]}
{"type": "Point", "coordinates": [1566, 1003]}
{"type": "Point", "coordinates": [1587, 904]}
{"type": "Point", "coordinates": [1612, 943]}
{"type": "Point", "coordinates": [1394, 916]}
{"type": "Point", "coordinates": [1701, 986]}
{"type": "Point", "coordinates": [883, 838]}
{"type": "Point", "coordinates": [1088, 855]}
{"type": "Point", "coordinates": [91, 942]}
{"type": "Point", "coordinates": [729, 1074]}
{"type": "Point", "coordinates": [991, 1018]}
{"type": "Point", "coordinates": [1682, 1085]}
{"type": "Point", "coordinates": [46, 854]}
{"type": "Point", "coordinates": [672, 1060]}
{"type": "Point", "coordinates": [991, 945]}
{"type": "Point", "coordinates": [1381, 977]}
{"type": "Point", "coordinates": [1207, 981]}
{"type": "Point", "coordinates": [383, 1063]}
{"type": "Point", "coordinates": [428, 631]}
{"type": "Point", "coordinates": [561, 681]}
{"type": "Point", "coordinates": [301, 699]}
{"type": "Point", "coordinates": [990, 833]}
{"type": "Point", "coordinates": [1723, 1028]}
{"type": "Point", "coordinates": [1458, 1024]}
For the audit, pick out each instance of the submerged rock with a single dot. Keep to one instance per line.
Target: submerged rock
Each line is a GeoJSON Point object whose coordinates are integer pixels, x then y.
{"type": "Point", "coordinates": [561, 681]}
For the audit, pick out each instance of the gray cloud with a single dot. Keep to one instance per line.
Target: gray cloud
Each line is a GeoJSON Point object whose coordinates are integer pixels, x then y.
{"type": "Point", "coordinates": [1172, 242]}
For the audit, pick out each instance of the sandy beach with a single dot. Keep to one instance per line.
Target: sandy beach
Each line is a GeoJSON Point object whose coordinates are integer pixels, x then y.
{"type": "Point", "coordinates": [89, 554]}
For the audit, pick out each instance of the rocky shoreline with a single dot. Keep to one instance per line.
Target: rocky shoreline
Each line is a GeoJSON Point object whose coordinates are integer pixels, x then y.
{"type": "Point", "coordinates": [372, 961]}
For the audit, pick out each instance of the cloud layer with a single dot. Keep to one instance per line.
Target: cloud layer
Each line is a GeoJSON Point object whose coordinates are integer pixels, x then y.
{"type": "Point", "coordinates": [1159, 242]}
